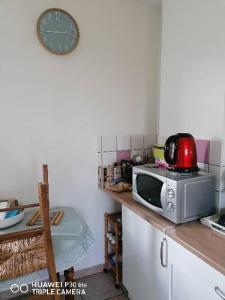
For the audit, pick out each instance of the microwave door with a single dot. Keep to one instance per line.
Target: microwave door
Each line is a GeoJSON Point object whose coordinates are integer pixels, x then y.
{"type": "Point", "coordinates": [150, 191]}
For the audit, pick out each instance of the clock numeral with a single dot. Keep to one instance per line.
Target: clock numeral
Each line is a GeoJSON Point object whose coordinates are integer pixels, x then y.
{"type": "Point", "coordinates": [57, 16]}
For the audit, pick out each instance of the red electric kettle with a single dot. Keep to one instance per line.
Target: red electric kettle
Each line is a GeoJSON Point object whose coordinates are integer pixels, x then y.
{"type": "Point", "coordinates": [180, 153]}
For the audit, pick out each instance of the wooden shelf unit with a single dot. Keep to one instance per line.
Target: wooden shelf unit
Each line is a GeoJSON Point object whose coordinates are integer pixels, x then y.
{"type": "Point", "coordinates": [113, 225]}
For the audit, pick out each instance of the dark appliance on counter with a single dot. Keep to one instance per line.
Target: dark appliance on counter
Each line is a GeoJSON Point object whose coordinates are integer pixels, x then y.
{"type": "Point", "coordinates": [126, 170]}
{"type": "Point", "coordinates": [180, 153]}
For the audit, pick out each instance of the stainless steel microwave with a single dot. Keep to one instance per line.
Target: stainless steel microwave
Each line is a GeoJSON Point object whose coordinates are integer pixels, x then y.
{"type": "Point", "coordinates": [178, 197]}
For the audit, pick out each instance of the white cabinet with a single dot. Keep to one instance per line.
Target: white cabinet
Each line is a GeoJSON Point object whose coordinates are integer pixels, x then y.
{"type": "Point", "coordinates": [191, 277]}
{"type": "Point", "coordinates": [184, 276]}
{"type": "Point", "coordinates": [144, 276]}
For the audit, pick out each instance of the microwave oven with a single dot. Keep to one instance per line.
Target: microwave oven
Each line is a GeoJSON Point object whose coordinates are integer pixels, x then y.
{"type": "Point", "coordinates": [178, 197]}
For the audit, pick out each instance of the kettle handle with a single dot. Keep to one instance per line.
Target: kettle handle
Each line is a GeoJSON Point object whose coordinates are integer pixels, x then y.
{"type": "Point", "coordinates": [170, 150]}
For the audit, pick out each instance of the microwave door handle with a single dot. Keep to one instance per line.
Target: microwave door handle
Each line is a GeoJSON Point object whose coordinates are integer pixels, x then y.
{"type": "Point", "coordinates": [134, 187]}
{"type": "Point", "coordinates": [163, 196]}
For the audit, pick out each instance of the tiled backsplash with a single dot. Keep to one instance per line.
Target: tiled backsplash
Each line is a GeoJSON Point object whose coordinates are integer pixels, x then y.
{"type": "Point", "coordinates": [115, 148]}
{"type": "Point", "coordinates": [211, 158]}
{"type": "Point", "coordinates": [202, 151]}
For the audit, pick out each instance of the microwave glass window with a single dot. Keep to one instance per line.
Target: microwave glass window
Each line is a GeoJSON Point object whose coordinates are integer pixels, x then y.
{"type": "Point", "coordinates": [149, 188]}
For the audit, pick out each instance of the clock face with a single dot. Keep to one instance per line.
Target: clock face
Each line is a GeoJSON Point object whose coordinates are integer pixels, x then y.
{"type": "Point", "coordinates": [58, 31]}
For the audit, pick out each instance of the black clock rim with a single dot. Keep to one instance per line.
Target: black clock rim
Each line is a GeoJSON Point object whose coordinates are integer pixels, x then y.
{"type": "Point", "coordinates": [75, 23]}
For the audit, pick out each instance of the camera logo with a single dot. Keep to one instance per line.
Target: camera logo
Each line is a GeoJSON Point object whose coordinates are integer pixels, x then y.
{"type": "Point", "coordinates": [15, 288]}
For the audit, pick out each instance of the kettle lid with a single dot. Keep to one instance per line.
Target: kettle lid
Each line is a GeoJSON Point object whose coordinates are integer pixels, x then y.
{"type": "Point", "coordinates": [184, 134]}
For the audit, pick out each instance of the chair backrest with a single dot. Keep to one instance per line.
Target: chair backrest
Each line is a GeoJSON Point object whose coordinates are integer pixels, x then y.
{"type": "Point", "coordinates": [45, 173]}
{"type": "Point", "coordinates": [43, 191]}
{"type": "Point", "coordinates": [29, 241]}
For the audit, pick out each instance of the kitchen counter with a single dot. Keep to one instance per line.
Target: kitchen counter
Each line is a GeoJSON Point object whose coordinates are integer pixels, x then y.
{"type": "Point", "coordinates": [195, 237]}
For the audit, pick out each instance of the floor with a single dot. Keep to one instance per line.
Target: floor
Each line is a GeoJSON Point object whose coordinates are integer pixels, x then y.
{"type": "Point", "coordinates": [99, 287]}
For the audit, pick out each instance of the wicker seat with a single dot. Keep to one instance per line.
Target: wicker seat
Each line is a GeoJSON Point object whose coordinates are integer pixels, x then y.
{"type": "Point", "coordinates": [31, 250]}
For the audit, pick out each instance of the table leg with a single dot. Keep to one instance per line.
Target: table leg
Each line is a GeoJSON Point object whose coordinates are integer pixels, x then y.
{"type": "Point", "coordinates": [69, 276]}
{"type": "Point", "coordinates": [58, 276]}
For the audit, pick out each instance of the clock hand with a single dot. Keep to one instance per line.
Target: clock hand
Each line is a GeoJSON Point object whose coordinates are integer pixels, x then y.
{"type": "Point", "coordinates": [59, 32]}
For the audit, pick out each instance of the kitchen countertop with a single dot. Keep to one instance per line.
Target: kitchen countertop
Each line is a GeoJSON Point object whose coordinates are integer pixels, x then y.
{"type": "Point", "coordinates": [195, 237]}
{"type": "Point", "coordinates": [206, 243]}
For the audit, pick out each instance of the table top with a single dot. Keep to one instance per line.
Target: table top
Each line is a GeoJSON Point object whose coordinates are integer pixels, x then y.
{"type": "Point", "coordinates": [72, 239]}
{"type": "Point", "coordinates": [205, 243]}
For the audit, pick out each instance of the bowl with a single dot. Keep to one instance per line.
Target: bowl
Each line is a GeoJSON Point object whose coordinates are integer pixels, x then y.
{"type": "Point", "coordinates": [12, 221]}
{"type": "Point", "coordinates": [3, 204]}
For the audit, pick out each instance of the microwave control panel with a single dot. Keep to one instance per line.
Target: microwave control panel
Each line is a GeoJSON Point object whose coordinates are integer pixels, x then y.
{"type": "Point", "coordinates": [171, 195]}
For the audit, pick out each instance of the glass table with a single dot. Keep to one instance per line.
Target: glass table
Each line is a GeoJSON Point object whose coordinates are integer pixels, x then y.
{"type": "Point", "coordinates": [72, 239]}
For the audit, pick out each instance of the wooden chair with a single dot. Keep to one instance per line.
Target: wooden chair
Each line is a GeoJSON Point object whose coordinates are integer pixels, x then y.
{"type": "Point", "coordinates": [44, 231]}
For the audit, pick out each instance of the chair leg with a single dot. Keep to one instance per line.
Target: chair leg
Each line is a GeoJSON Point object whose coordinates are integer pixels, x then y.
{"type": "Point", "coordinates": [69, 276]}
{"type": "Point", "coordinates": [58, 276]}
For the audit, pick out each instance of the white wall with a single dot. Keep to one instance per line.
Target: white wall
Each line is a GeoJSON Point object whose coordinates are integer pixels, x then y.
{"type": "Point", "coordinates": [193, 68]}
{"type": "Point", "coordinates": [52, 107]}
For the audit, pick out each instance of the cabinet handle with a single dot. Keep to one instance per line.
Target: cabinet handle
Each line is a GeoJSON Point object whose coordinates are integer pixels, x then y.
{"type": "Point", "coordinates": [219, 292]}
{"type": "Point", "coordinates": [164, 242]}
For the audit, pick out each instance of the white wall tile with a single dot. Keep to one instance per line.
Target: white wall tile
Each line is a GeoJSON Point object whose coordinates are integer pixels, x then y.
{"type": "Point", "coordinates": [109, 158]}
{"type": "Point", "coordinates": [99, 144]}
{"type": "Point", "coordinates": [215, 152]}
{"type": "Point", "coordinates": [123, 142]}
{"type": "Point", "coordinates": [100, 163]}
{"type": "Point", "coordinates": [109, 143]}
{"type": "Point", "coordinates": [161, 139]}
{"type": "Point", "coordinates": [137, 142]}
{"type": "Point", "coordinates": [149, 140]}
{"type": "Point", "coordinates": [215, 170]}
{"type": "Point", "coordinates": [204, 167]}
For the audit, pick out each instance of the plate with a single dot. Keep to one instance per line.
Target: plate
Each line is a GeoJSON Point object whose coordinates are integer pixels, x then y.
{"type": "Point", "coordinates": [211, 222]}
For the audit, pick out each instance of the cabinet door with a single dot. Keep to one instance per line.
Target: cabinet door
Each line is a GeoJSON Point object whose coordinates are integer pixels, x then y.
{"type": "Point", "coordinates": [143, 275]}
{"type": "Point", "coordinates": [191, 277]}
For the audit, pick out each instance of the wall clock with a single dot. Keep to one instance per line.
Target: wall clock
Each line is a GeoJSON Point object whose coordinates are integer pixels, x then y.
{"type": "Point", "coordinates": [58, 31]}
